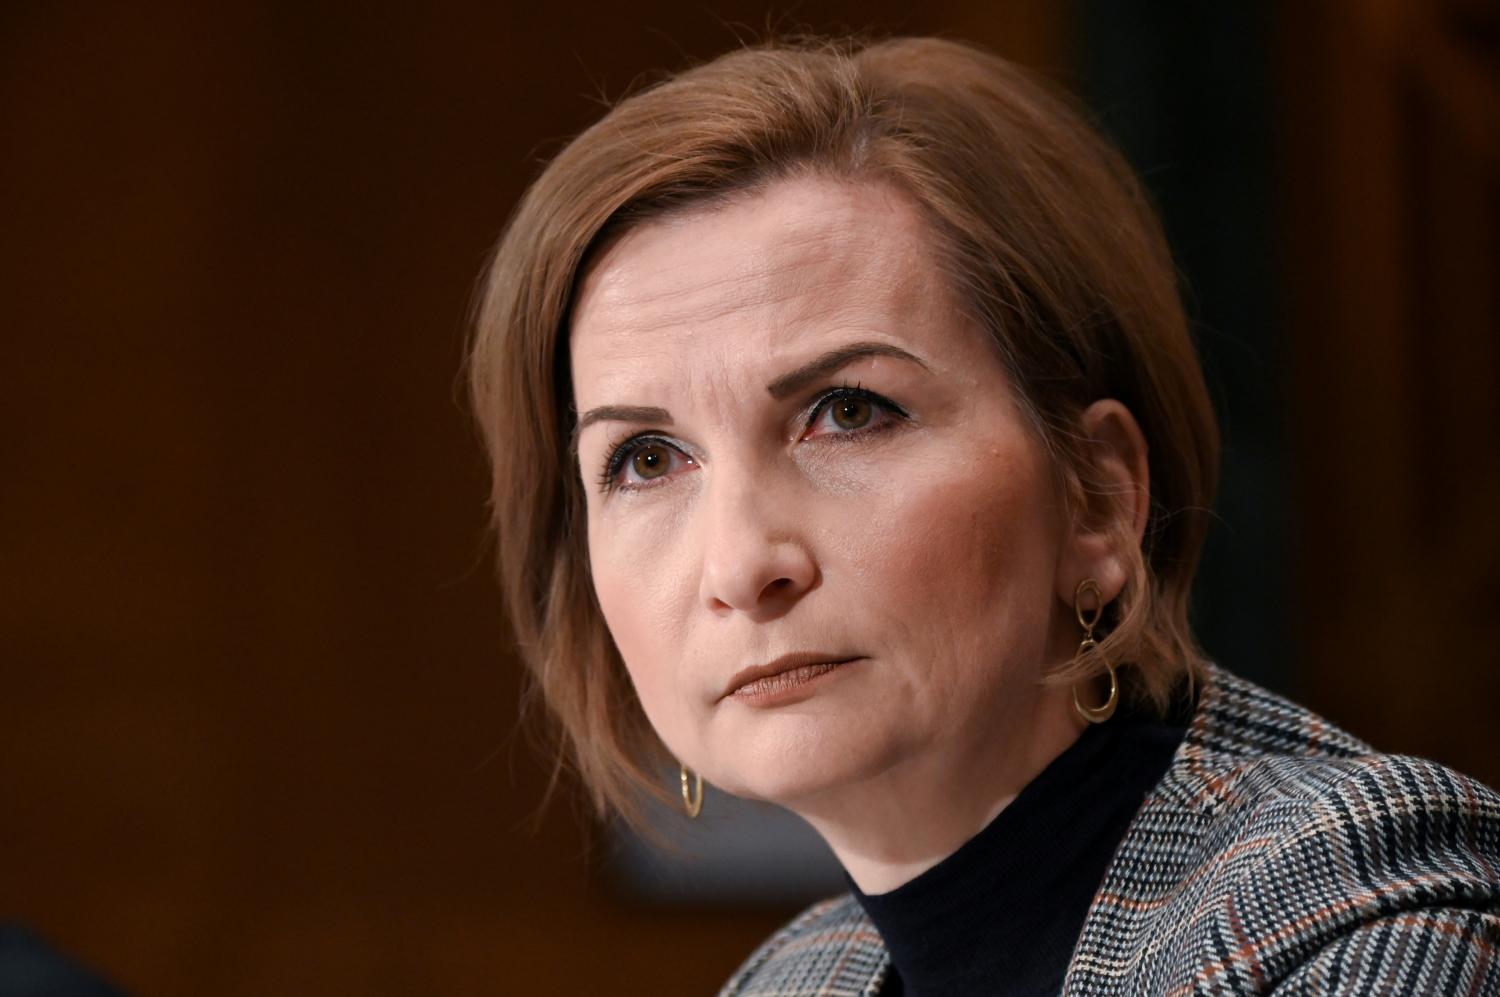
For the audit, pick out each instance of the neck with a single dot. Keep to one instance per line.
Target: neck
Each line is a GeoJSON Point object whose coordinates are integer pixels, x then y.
{"type": "Point", "coordinates": [901, 821]}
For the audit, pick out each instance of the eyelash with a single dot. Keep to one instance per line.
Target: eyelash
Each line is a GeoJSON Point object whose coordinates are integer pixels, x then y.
{"type": "Point", "coordinates": [622, 451]}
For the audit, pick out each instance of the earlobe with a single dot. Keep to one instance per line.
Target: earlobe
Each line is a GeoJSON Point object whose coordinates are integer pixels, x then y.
{"type": "Point", "coordinates": [1115, 491]}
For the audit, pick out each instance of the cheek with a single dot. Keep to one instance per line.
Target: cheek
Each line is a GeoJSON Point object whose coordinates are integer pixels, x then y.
{"type": "Point", "coordinates": [962, 556]}
{"type": "Point", "coordinates": [639, 586]}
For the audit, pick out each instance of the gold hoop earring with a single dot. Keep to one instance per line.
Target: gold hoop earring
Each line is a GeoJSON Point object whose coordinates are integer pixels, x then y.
{"type": "Point", "coordinates": [692, 801]}
{"type": "Point", "coordinates": [1088, 620]}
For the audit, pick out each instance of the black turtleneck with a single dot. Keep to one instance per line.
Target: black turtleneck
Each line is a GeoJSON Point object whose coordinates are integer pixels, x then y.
{"type": "Point", "coordinates": [1001, 915]}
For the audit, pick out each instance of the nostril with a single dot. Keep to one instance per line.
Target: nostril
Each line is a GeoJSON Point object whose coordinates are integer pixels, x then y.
{"type": "Point", "coordinates": [742, 575]}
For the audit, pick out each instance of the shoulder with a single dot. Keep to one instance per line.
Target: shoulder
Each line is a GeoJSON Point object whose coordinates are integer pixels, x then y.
{"type": "Point", "coordinates": [831, 947]}
{"type": "Point", "coordinates": [1321, 863]}
{"type": "Point", "coordinates": [1377, 871]}
{"type": "Point", "coordinates": [1273, 777]}
{"type": "Point", "coordinates": [1389, 830]}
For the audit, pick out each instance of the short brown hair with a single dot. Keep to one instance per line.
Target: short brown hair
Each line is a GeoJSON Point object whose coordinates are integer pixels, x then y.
{"type": "Point", "coordinates": [1042, 228]}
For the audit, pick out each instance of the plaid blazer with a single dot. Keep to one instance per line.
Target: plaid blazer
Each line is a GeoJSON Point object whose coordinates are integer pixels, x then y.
{"type": "Point", "coordinates": [1278, 854]}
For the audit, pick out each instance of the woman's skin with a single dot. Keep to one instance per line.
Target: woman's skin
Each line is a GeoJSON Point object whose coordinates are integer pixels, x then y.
{"type": "Point", "coordinates": [918, 530]}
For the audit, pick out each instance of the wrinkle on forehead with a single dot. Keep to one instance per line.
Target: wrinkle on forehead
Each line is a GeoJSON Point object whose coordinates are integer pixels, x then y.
{"type": "Point", "coordinates": [804, 251]}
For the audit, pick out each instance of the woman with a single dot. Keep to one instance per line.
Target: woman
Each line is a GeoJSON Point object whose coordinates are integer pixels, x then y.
{"type": "Point", "coordinates": [850, 452]}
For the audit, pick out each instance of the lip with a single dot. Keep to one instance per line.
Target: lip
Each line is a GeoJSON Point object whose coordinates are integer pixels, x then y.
{"type": "Point", "coordinates": [781, 666]}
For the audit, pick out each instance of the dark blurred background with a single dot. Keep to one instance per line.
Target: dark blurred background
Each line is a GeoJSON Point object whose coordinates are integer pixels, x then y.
{"type": "Point", "coordinates": [257, 708]}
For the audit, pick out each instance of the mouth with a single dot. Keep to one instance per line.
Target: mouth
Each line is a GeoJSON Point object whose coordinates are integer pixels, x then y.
{"type": "Point", "coordinates": [788, 672]}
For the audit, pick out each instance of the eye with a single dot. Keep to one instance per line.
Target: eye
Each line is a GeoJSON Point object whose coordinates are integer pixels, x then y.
{"type": "Point", "coordinates": [851, 411]}
{"type": "Point", "coordinates": [641, 462]}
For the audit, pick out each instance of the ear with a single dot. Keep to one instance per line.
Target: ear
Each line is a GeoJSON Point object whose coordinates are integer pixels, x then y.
{"type": "Point", "coordinates": [1116, 497]}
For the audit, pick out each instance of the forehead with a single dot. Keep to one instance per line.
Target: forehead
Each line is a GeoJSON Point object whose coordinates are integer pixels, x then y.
{"type": "Point", "coordinates": [770, 275]}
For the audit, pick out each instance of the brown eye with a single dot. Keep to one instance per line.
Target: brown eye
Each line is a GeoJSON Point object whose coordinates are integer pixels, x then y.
{"type": "Point", "coordinates": [851, 413]}
{"type": "Point", "coordinates": [651, 461]}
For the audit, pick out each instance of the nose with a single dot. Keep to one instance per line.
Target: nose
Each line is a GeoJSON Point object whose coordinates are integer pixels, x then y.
{"type": "Point", "coordinates": [753, 557]}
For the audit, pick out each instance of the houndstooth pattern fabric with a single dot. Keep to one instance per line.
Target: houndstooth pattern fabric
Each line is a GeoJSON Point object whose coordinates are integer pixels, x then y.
{"type": "Point", "coordinates": [1278, 855]}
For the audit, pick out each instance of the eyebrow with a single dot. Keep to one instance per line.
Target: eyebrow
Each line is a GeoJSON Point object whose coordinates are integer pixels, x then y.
{"type": "Point", "coordinates": [618, 413]}
{"type": "Point", "coordinates": [821, 367]}
{"type": "Point", "coordinates": [787, 384]}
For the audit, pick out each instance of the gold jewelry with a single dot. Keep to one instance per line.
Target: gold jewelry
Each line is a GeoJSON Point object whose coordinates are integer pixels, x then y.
{"type": "Point", "coordinates": [1089, 620]}
{"type": "Point", "coordinates": [692, 802]}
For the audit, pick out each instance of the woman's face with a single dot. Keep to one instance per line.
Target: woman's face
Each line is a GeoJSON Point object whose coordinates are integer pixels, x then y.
{"type": "Point", "coordinates": [793, 444]}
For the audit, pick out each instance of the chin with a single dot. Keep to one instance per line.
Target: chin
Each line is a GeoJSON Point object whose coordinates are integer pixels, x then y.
{"type": "Point", "coordinates": [796, 757]}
